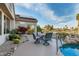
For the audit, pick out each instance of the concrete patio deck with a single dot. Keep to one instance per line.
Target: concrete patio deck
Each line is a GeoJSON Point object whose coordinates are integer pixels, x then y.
{"type": "Point", "coordinates": [30, 49]}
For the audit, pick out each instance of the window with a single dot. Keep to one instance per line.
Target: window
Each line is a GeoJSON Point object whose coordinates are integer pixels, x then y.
{"type": "Point", "coordinates": [0, 22]}
{"type": "Point", "coordinates": [6, 25]}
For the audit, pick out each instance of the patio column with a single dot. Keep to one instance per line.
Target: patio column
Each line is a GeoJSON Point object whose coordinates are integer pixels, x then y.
{"type": "Point", "coordinates": [12, 24]}
{"type": "Point", "coordinates": [2, 23]}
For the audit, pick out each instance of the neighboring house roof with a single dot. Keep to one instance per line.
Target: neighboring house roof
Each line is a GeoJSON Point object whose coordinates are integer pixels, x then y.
{"type": "Point", "coordinates": [26, 19]}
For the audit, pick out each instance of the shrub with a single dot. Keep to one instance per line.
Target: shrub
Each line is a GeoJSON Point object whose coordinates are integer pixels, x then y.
{"type": "Point", "coordinates": [17, 37]}
{"type": "Point", "coordinates": [10, 37]}
{"type": "Point", "coordinates": [16, 41]}
{"type": "Point", "coordinates": [22, 29]}
{"type": "Point", "coordinates": [14, 31]}
{"type": "Point", "coordinates": [13, 36]}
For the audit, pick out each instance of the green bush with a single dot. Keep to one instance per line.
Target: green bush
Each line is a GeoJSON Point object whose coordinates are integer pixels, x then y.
{"type": "Point", "coordinates": [14, 31]}
{"type": "Point", "coordinates": [16, 41]}
{"type": "Point", "coordinates": [14, 36]}
{"type": "Point", "coordinates": [39, 29]}
{"type": "Point", "coordinates": [10, 37]}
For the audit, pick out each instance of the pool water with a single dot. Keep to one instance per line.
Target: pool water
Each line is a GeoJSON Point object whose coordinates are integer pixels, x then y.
{"type": "Point", "coordinates": [70, 50]}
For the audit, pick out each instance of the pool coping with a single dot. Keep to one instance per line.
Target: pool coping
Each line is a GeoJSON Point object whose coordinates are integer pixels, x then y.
{"type": "Point", "coordinates": [60, 53]}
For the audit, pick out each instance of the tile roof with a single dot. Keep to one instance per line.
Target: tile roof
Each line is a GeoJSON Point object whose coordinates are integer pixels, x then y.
{"type": "Point", "coordinates": [26, 19]}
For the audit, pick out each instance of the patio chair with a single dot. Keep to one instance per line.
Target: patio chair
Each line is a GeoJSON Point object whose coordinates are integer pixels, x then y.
{"type": "Point", "coordinates": [47, 38]}
{"type": "Point", "coordinates": [37, 41]}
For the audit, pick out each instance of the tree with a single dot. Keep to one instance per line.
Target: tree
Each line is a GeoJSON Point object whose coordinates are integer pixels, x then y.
{"type": "Point", "coordinates": [51, 27]}
{"type": "Point", "coordinates": [39, 29]}
{"type": "Point", "coordinates": [75, 30]}
{"type": "Point", "coordinates": [77, 17]}
{"type": "Point", "coordinates": [48, 28]}
{"type": "Point", "coordinates": [65, 28]}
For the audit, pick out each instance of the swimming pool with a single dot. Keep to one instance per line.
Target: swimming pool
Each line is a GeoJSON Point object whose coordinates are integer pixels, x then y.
{"type": "Point", "coordinates": [70, 49]}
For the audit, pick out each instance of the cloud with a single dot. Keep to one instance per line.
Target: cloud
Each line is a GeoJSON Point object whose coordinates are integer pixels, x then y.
{"type": "Point", "coordinates": [76, 8]}
{"type": "Point", "coordinates": [67, 18]}
{"type": "Point", "coordinates": [47, 13]}
{"type": "Point", "coordinates": [27, 5]}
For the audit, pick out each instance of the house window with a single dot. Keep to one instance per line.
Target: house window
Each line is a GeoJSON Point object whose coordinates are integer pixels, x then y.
{"type": "Point", "coordinates": [6, 25]}
{"type": "Point", "coordinates": [0, 22]}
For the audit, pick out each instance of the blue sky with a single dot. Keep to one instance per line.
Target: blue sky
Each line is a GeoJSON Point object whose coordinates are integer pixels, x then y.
{"type": "Point", "coordinates": [57, 14]}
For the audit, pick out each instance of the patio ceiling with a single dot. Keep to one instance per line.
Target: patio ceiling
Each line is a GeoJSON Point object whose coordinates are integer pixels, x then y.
{"type": "Point", "coordinates": [5, 10]}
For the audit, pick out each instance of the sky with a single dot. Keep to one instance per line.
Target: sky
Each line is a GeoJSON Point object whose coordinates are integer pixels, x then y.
{"type": "Point", "coordinates": [56, 14]}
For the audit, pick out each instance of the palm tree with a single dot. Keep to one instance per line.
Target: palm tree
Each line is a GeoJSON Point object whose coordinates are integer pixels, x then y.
{"type": "Point", "coordinates": [75, 30]}
{"type": "Point", "coordinates": [77, 18]}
